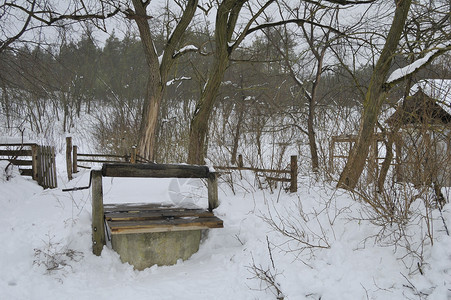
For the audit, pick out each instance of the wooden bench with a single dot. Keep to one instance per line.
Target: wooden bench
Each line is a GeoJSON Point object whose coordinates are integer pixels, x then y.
{"type": "Point", "coordinates": [132, 219]}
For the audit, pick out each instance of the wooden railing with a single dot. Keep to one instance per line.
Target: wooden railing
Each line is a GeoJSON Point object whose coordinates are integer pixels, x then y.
{"type": "Point", "coordinates": [73, 158]}
{"type": "Point", "coordinates": [33, 160]}
{"type": "Point", "coordinates": [292, 172]}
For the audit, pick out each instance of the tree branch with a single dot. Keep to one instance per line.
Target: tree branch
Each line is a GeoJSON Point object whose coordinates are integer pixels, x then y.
{"type": "Point", "coordinates": [298, 22]}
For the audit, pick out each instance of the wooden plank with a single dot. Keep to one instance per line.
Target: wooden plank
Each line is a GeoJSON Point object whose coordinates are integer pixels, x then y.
{"type": "Point", "coordinates": [278, 179]}
{"type": "Point", "coordinates": [38, 165]}
{"type": "Point", "coordinates": [125, 207]}
{"type": "Point", "coordinates": [15, 152]}
{"type": "Point", "coordinates": [164, 225]}
{"type": "Point", "coordinates": [26, 172]}
{"type": "Point", "coordinates": [253, 169]}
{"type": "Point", "coordinates": [98, 227]}
{"type": "Point", "coordinates": [100, 161]}
{"type": "Point", "coordinates": [294, 174]}
{"type": "Point", "coordinates": [34, 167]}
{"type": "Point", "coordinates": [55, 180]}
{"type": "Point", "coordinates": [18, 144]}
{"type": "Point", "coordinates": [157, 214]}
{"type": "Point", "coordinates": [69, 157]}
{"type": "Point", "coordinates": [102, 155]}
{"type": "Point", "coordinates": [21, 162]}
{"type": "Point", "coordinates": [74, 159]}
{"type": "Point", "coordinates": [154, 170]}
{"type": "Point", "coordinates": [212, 186]}
{"type": "Point", "coordinates": [45, 167]}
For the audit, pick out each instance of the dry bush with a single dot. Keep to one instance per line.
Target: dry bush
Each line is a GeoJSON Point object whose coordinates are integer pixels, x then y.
{"type": "Point", "coordinates": [116, 129]}
{"type": "Point", "coordinates": [54, 256]}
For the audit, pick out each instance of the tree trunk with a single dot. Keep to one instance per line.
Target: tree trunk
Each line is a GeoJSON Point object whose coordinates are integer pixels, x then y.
{"type": "Point", "coordinates": [311, 136]}
{"type": "Point", "coordinates": [158, 71]}
{"type": "Point", "coordinates": [149, 125]}
{"type": "Point", "coordinates": [226, 18]}
{"type": "Point", "coordinates": [374, 99]}
{"type": "Point", "coordinates": [199, 123]}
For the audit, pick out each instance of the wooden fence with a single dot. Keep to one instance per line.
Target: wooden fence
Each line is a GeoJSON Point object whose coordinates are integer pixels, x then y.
{"type": "Point", "coordinates": [292, 172]}
{"type": "Point", "coordinates": [33, 160]}
{"type": "Point", "coordinates": [73, 158]}
{"type": "Point", "coordinates": [374, 159]}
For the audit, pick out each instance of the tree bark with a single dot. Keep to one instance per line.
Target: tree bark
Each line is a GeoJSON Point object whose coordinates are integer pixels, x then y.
{"type": "Point", "coordinates": [226, 18]}
{"type": "Point", "coordinates": [158, 71]}
{"type": "Point", "coordinates": [374, 99]}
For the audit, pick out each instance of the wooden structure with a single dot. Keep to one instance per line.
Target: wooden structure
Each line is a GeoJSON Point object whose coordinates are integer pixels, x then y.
{"type": "Point", "coordinates": [292, 172]}
{"type": "Point", "coordinates": [374, 159]}
{"type": "Point", "coordinates": [424, 138]}
{"type": "Point", "coordinates": [126, 221]}
{"type": "Point", "coordinates": [33, 160]}
{"type": "Point", "coordinates": [73, 158]}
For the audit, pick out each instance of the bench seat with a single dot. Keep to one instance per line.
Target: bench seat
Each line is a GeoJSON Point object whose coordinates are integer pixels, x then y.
{"type": "Point", "coordinates": [149, 218]}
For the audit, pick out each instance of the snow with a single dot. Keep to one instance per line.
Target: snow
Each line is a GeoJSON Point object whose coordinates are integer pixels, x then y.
{"type": "Point", "coordinates": [160, 58]}
{"type": "Point", "coordinates": [44, 226]}
{"type": "Point", "coordinates": [172, 81]}
{"type": "Point", "coordinates": [402, 72]}
{"type": "Point", "coordinates": [186, 49]}
{"type": "Point", "coordinates": [439, 89]}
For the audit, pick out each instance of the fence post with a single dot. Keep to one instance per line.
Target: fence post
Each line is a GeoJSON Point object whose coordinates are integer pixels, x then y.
{"type": "Point", "coordinates": [54, 178]}
{"type": "Point", "coordinates": [240, 161]}
{"type": "Point", "coordinates": [34, 163]}
{"type": "Point", "coordinates": [45, 167]}
{"type": "Point", "coordinates": [39, 166]}
{"type": "Point", "coordinates": [331, 154]}
{"type": "Point", "coordinates": [398, 158]}
{"type": "Point", "coordinates": [69, 157]}
{"type": "Point", "coordinates": [212, 191]}
{"type": "Point", "coordinates": [74, 159]}
{"type": "Point", "coordinates": [133, 155]}
{"type": "Point", "coordinates": [294, 174]}
{"type": "Point", "coordinates": [98, 226]}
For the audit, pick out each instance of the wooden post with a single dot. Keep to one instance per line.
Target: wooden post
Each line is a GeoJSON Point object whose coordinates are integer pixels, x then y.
{"type": "Point", "coordinates": [98, 226]}
{"type": "Point", "coordinates": [240, 161]}
{"type": "Point", "coordinates": [372, 162]}
{"type": "Point", "coordinates": [39, 165]}
{"type": "Point", "coordinates": [213, 201]}
{"type": "Point", "coordinates": [294, 174]}
{"type": "Point", "coordinates": [69, 157]}
{"type": "Point", "coordinates": [74, 159]}
{"type": "Point", "coordinates": [133, 155]}
{"type": "Point", "coordinates": [331, 155]}
{"type": "Point", "coordinates": [34, 163]}
{"type": "Point", "coordinates": [55, 180]}
{"type": "Point", "coordinates": [45, 167]}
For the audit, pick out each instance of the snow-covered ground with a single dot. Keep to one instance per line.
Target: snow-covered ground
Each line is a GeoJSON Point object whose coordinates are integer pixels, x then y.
{"type": "Point", "coordinates": [329, 251]}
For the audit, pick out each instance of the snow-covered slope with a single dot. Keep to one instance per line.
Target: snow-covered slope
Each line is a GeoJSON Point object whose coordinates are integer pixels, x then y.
{"type": "Point", "coordinates": [46, 247]}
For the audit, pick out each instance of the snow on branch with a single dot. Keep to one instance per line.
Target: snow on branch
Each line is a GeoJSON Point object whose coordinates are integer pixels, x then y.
{"type": "Point", "coordinates": [172, 81]}
{"type": "Point", "coordinates": [186, 49]}
{"type": "Point", "coordinates": [402, 73]}
{"type": "Point", "coordinates": [410, 69]}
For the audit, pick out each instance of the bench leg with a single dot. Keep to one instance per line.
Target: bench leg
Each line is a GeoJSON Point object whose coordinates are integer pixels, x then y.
{"type": "Point", "coordinates": [98, 225]}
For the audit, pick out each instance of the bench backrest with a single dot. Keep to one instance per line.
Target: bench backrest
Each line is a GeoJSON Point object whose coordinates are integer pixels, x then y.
{"type": "Point", "coordinates": [156, 170]}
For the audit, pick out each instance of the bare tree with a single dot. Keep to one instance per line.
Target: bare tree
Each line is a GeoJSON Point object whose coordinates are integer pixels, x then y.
{"type": "Point", "coordinates": [318, 40]}
{"type": "Point", "coordinates": [18, 18]}
{"type": "Point", "coordinates": [376, 94]}
{"type": "Point", "coordinates": [227, 38]}
{"type": "Point", "coordinates": [158, 66]}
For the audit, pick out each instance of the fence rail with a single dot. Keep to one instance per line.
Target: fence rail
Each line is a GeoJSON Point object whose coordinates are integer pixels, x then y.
{"type": "Point", "coordinates": [40, 158]}
{"type": "Point", "coordinates": [293, 172]}
{"type": "Point", "coordinates": [73, 158]}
